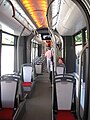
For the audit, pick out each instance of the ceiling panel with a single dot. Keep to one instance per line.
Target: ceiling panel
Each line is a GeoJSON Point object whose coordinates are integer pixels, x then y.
{"type": "Point", "coordinates": [7, 19]}
{"type": "Point", "coordinates": [71, 19]}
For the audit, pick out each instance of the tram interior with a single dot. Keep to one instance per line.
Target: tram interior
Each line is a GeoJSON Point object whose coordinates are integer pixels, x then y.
{"type": "Point", "coordinates": [27, 29]}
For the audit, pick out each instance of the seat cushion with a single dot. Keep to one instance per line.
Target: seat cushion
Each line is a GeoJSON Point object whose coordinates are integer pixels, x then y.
{"type": "Point", "coordinates": [6, 114]}
{"type": "Point", "coordinates": [26, 84]}
{"type": "Point", "coordinates": [65, 115]}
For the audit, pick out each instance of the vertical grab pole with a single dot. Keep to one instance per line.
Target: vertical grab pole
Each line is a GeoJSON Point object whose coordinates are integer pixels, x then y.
{"type": "Point", "coordinates": [18, 57]}
{"type": "Point", "coordinates": [54, 63]}
{"type": "Point", "coordinates": [79, 87]}
{"type": "Point", "coordinates": [54, 103]}
{"type": "Point", "coordinates": [54, 47]}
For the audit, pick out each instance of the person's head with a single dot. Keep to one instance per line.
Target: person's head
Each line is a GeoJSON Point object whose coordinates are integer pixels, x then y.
{"type": "Point", "coordinates": [60, 60]}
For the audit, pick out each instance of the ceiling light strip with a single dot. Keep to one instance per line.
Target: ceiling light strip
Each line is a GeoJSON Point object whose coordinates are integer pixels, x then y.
{"type": "Point", "coordinates": [31, 8]}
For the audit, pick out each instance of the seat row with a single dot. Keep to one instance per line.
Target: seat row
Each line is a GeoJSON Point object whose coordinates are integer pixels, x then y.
{"type": "Point", "coordinates": [64, 93]}
{"type": "Point", "coordinates": [13, 91]}
{"type": "Point", "coordinates": [12, 99]}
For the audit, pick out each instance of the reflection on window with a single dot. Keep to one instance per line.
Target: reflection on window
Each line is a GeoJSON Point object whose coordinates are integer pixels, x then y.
{"type": "Point", "coordinates": [78, 49]}
{"type": "Point", "coordinates": [34, 51]}
{"type": "Point", "coordinates": [78, 39]}
{"type": "Point", "coordinates": [7, 39]}
{"type": "Point", "coordinates": [86, 34]}
{"type": "Point", "coordinates": [7, 59]}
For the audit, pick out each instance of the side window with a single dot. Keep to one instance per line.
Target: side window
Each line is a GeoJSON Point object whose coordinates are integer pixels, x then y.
{"type": "Point", "coordinates": [78, 48]}
{"type": "Point", "coordinates": [7, 54]}
{"type": "Point", "coordinates": [34, 50]}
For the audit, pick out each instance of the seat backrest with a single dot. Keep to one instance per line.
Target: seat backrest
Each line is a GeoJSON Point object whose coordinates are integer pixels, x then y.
{"type": "Point", "coordinates": [64, 92]}
{"type": "Point", "coordinates": [8, 93]}
{"type": "Point", "coordinates": [60, 69]}
{"type": "Point", "coordinates": [26, 73]}
{"type": "Point", "coordinates": [9, 77]}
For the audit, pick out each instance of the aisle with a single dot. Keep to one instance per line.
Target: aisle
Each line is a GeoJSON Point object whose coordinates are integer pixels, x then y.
{"type": "Point", "coordinates": [39, 105]}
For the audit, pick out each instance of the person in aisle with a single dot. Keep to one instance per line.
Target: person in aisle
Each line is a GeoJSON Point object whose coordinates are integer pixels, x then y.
{"type": "Point", "coordinates": [48, 55]}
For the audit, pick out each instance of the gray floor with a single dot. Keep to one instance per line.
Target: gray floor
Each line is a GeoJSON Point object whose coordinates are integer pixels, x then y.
{"type": "Point", "coordinates": [39, 105]}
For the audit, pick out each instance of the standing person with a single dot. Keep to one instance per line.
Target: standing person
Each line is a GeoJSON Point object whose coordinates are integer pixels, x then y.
{"type": "Point", "coordinates": [48, 56]}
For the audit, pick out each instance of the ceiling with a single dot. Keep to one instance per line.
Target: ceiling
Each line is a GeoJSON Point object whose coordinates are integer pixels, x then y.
{"type": "Point", "coordinates": [7, 19]}
{"type": "Point", "coordinates": [71, 19]}
{"type": "Point", "coordinates": [64, 16]}
{"type": "Point", "coordinates": [37, 10]}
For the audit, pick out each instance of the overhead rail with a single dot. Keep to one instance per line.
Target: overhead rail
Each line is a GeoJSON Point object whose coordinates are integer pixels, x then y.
{"type": "Point", "coordinates": [58, 35]}
{"type": "Point", "coordinates": [23, 18]}
{"type": "Point", "coordinates": [49, 21]}
{"type": "Point", "coordinates": [48, 12]}
{"type": "Point", "coordinates": [56, 14]}
{"type": "Point", "coordinates": [87, 4]}
{"type": "Point", "coordinates": [85, 112]}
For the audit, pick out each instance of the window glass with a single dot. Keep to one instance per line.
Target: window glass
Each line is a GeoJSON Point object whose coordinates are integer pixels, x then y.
{"type": "Point", "coordinates": [78, 39]}
{"type": "Point", "coordinates": [78, 49]}
{"type": "Point", "coordinates": [34, 51]}
{"type": "Point", "coordinates": [7, 59]}
{"type": "Point", "coordinates": [7, 39]}
{"type": "Point", "coordinates": [86, 34]}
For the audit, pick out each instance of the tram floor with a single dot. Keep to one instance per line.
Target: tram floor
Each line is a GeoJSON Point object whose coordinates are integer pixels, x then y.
{"type": "Point", "coordinates": [39, 105]}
